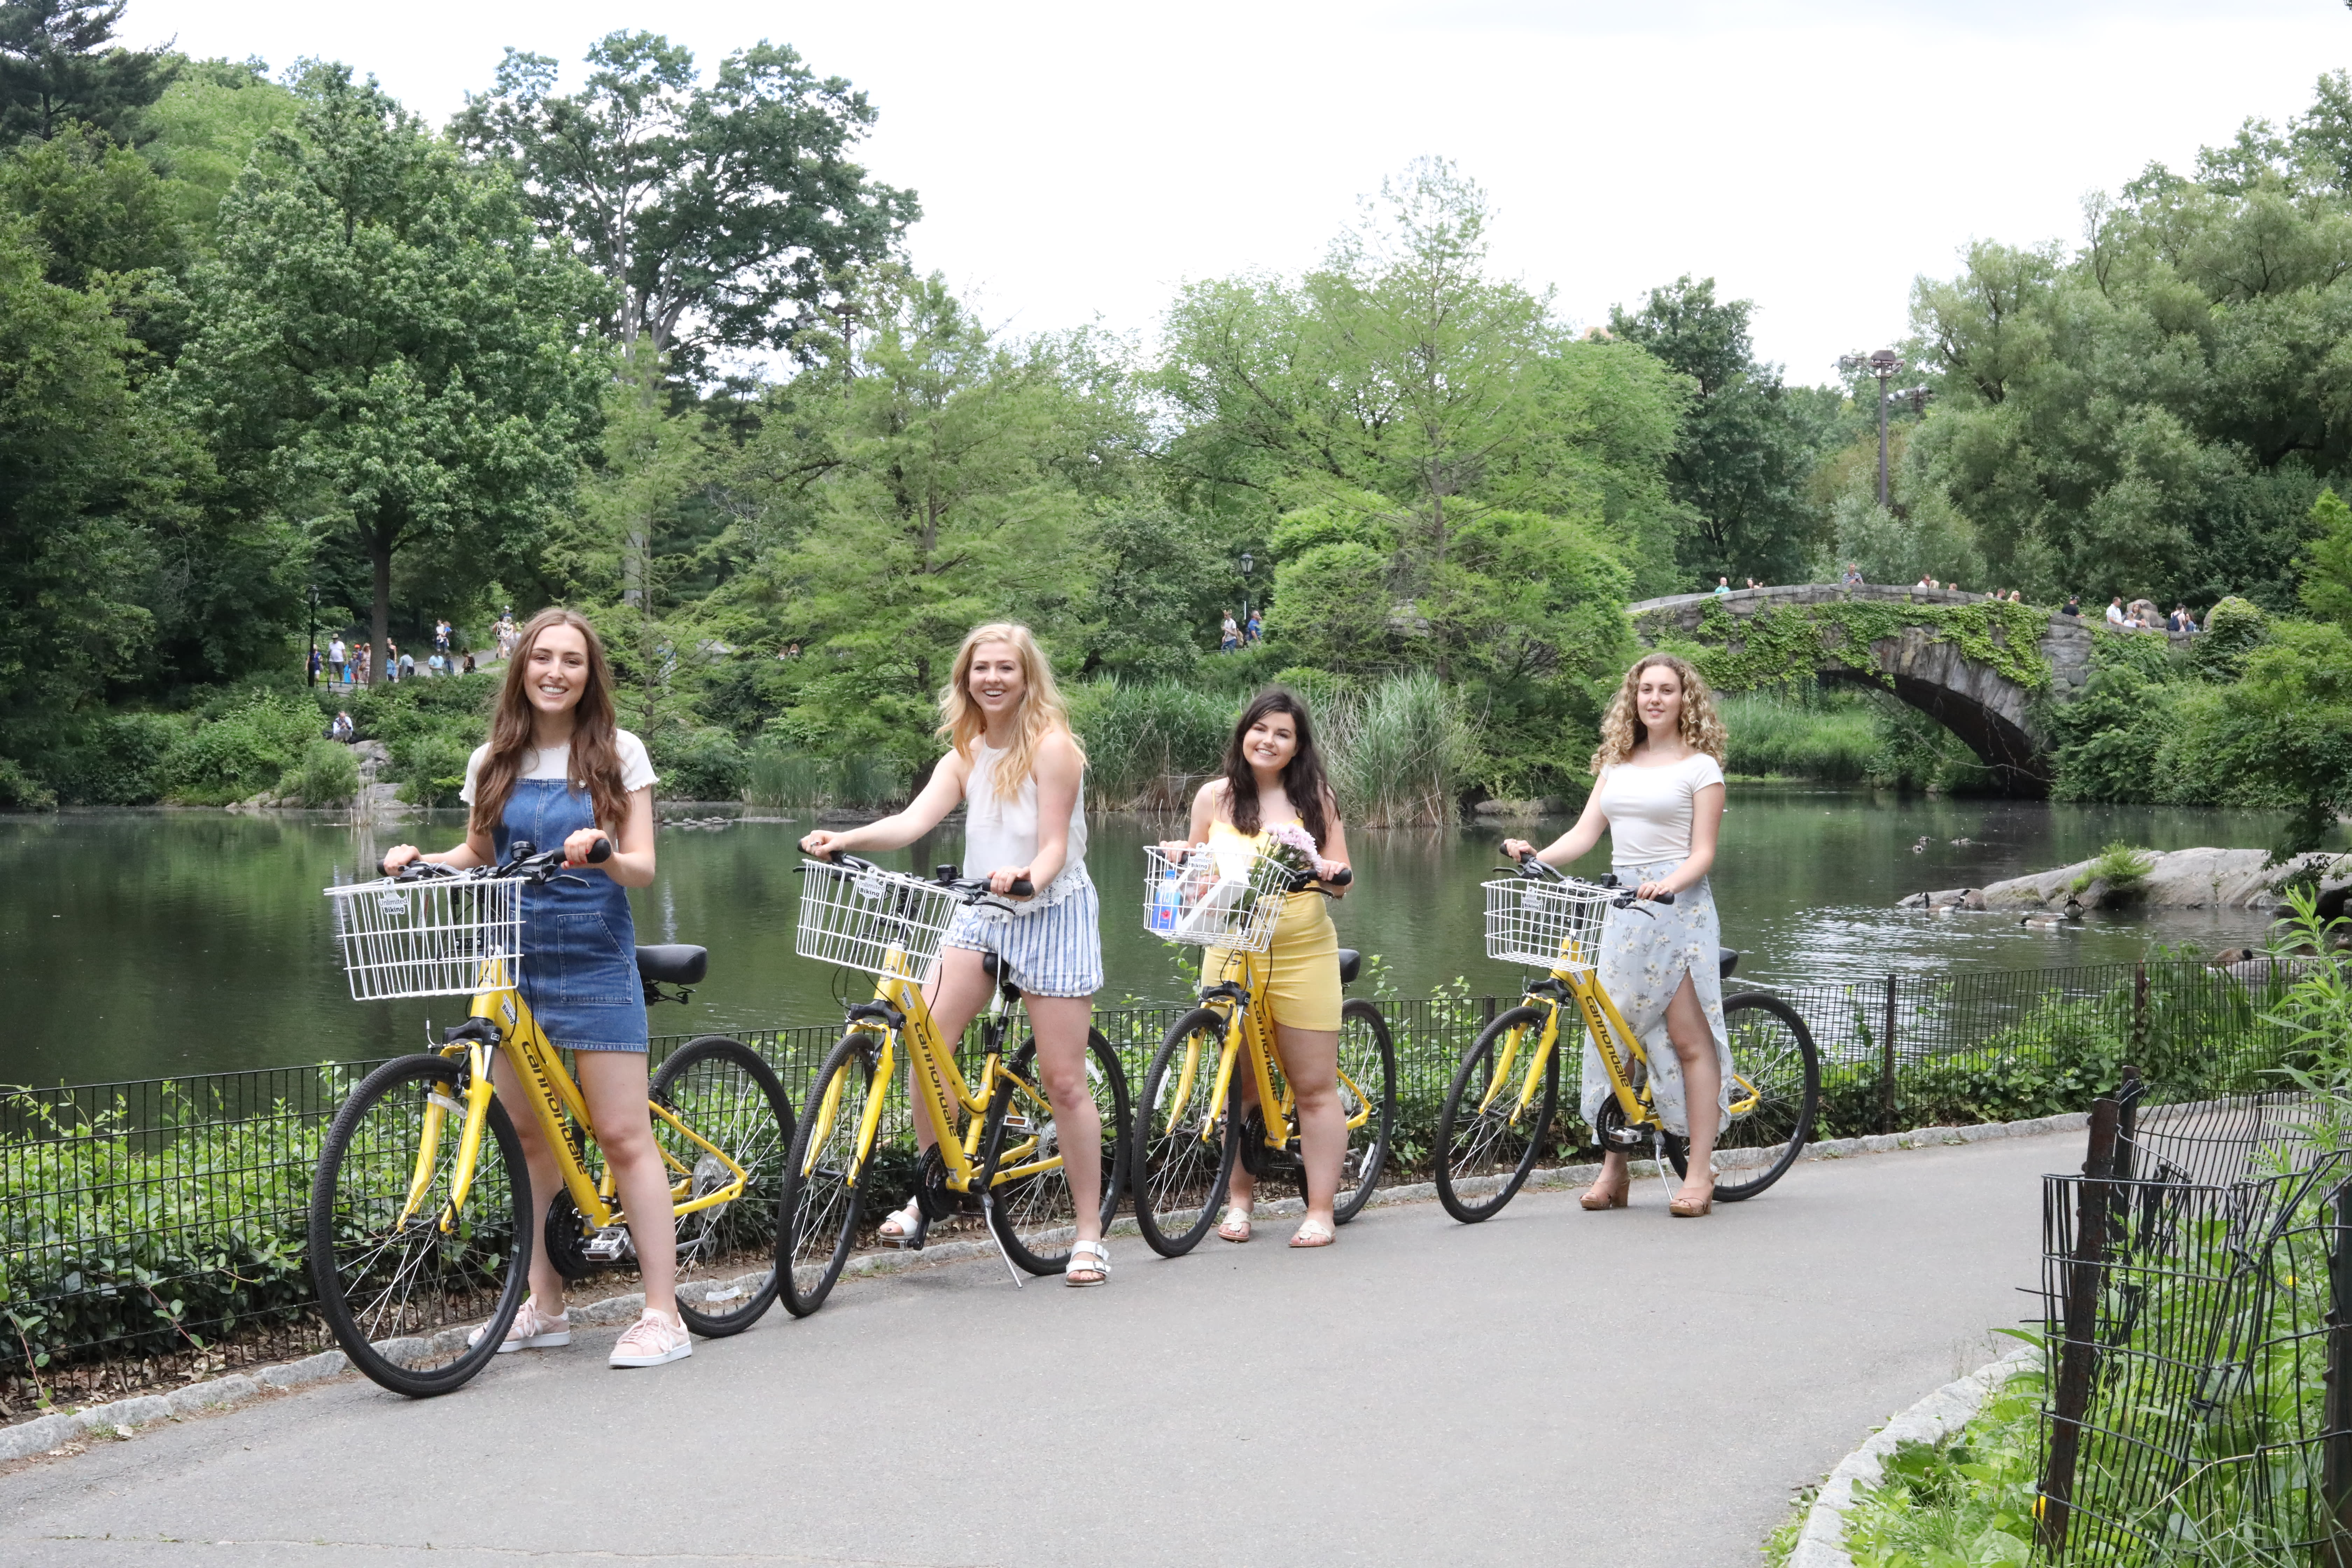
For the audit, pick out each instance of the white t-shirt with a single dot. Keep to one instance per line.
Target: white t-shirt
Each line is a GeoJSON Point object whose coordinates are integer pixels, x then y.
{"type": "Point", "coordinates": [555, 762]}
{"type": "Point", "coordinates": [1649, 809]}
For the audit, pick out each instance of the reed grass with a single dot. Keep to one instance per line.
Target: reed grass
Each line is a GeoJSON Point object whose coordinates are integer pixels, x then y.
{"type": "Point", "coordinates": [1772, 735]}
{"type": "Point", "coordinates": [1149, 744]}
{"type": "Point", "coordinates": [1401, 754]}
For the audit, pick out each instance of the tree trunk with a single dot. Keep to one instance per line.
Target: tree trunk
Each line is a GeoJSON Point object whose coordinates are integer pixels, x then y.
{"type": "Point", "coordinates": [380, 618]}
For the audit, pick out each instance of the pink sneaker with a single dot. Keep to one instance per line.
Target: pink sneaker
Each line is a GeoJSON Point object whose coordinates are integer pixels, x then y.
{"type": "Point", "coordinates": [656, 1339]}
{"type": "Point", "coordinates": [532, 1330]}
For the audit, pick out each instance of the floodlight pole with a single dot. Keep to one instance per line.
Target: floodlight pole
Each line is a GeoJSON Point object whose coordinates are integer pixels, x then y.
{"type": "Point", "coordinates": [1885, 365]}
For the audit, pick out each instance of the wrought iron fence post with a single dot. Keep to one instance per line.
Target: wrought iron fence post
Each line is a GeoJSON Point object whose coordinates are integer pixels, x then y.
{"type": "Point", "coordinates": [2127, 1097]}
{"type": "Point", "coordinates": [1887, 1065]}
{"type": "Point", "coordinates": [2336, 1462]}
{"type": "Point", "coordinates": [2140, 1008]}
{"type": "Point", "coordinates": [2077, 1358]}
{"type": "Point", "coordinates": [1490, 1009]}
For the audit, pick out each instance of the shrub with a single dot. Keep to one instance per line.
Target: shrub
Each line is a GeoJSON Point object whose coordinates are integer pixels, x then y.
{"type": "Point", "coordinates": [431, 768]}
{"type": "Point", "coordinates": [2232, 629]}
{"type": "Point", "coordinates": [2120, 866]}
{"type": "Point", "coordinates": [328, 775]}
{"type": "Point", "coordinates": [1772, 735]}
{"type": "Point", "coordinates": [700, 764]}
{"type": "Point", "coordinates": [242, 752]}
{"type": "Point", "coordinates": [1145, 741]}
{"type": "Point", "coordinates": [121, 759]}
{"type": "Point", "coordinates": [1401, 755]}
{"type": "Point", "coordinates": [20, 791]}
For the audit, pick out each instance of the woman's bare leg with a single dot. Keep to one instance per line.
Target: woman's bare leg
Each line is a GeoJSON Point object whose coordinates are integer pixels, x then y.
{"type": "Point", "coordinates": [1693, 1044]}
{"type": "Point", "coordinates": [614, 1084]}
{"type": "Point", "coordinates": [546, 1284]}
{"type": "Point", "coordinates": [955, 994]}
{"type": "Point", "coordinates": [1310, 1061]}
{"type": "Point", "coordinates": [1062, 1025]}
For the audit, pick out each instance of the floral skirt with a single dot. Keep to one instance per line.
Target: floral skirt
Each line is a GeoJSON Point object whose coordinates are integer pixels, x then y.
{"type": "Point", "coordinates": [1645, 951]}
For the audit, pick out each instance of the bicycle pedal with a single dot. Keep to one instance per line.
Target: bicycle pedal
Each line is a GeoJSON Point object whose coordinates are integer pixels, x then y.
{"type": "Point", "coordinates": [607, 1246]}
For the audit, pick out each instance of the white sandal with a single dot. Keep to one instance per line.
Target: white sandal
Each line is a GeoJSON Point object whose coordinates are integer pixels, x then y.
{"type": "Point", "coordinates": [1314, 1233]}
{"type": "Point", "coordinates": [1088, 1257]}
{"type": "Point", "coordinates": [1235, 1225]}
{"type": "Point", "coordinates": [910, 1223]}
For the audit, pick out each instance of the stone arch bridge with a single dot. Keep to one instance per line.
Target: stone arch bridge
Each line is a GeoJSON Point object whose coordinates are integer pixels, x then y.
{"type": "Point", "coordinates": [1976, 666]}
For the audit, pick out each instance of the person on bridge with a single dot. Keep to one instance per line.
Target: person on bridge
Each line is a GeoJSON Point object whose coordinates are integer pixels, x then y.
{"type": "Point", "coordinates": [1660, 798]}
{"type": "Point", "coordinates": [1272, 779]}
{"type": "Point", "coordinates": [559, 769]}
{"type": "Point", "coordinates": [1016, 768]}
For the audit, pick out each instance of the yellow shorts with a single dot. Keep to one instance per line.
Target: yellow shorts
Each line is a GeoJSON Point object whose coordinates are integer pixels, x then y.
{"type": "Point", "coordinates": [1300, 967]}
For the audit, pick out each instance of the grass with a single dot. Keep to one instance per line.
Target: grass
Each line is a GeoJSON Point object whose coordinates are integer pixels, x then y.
{"type": "Point", "coordinates": [1400, 755]}
{"type": "Point", "coordinates": [785, 776]}
{"type": "Point", "coordinates": [1964, 1501]}
{"type": "Point", "coordinates": [1772, 736]}
{"type": "Point", "coordinates": [2119, 866]}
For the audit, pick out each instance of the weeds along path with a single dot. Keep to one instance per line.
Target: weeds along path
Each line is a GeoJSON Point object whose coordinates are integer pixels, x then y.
{"type": "Point", "coordinates": [1550, 1386]}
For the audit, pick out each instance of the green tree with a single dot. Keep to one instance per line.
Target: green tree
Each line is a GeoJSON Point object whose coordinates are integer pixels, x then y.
{"type": "Point", "coordinates": [2327, 587]}
{"type": "Point", "coordinates": [1746, 441]}
{"type": "Point", "coordinates": [96, 206]}
{"type": "Point", "coordinates": [721, 214]}
{"type": "Point", "coordinates": [203, 129]}
{"type": "Point", "coordinates": [55, 68]}
{"type": "Point", "coordinates": [386, 350]}
{"type": "Point", "coordinates": [83, 473]}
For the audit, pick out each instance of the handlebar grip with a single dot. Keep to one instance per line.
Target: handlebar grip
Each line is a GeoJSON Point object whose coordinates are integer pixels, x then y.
{"type": "Point", "coordinates": [1664, 898]}
{"type": "Point", "coordinates": [1022, 888]}
{"type": "Point", "coordinates": [600, 852]}
{"type": "Point", "coordinates": [1342, 877]}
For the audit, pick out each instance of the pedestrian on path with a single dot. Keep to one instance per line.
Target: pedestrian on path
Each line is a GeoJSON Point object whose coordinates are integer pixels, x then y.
{"type": "Point", "coordinates": [1853, 574]}
{"type": "Point", "coordinates": [1257, 627]}
{"type": "Point", "coordinates": [1659, 795]}
{"type": "Point", "coordinates": [408, 667]}
{"type": "Point", "coordinates": [1229, 635]}
{"type": "Point", "coordinates": [1722, 586]}
{"type": "Point", "coordinates": [338, 657]}
{"type": "Point", "coordinates": [367, 662]}
{"type": "Point", "coordinates": [1272, 782]}
{"type": "Point", "coordinates": [2072, 606]}
{"type": "Point", "coordinates": [1017, 769]}
{"type": "Point", "coordinates": [559, 769]}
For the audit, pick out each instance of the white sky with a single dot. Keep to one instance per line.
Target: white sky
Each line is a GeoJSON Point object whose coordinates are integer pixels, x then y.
{"type": "Point", "coordinates": [1078, 162]}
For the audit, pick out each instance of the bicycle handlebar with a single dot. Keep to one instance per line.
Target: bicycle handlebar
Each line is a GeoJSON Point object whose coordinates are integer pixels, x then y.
{"type": "Point", "coordinates": [973, 888]}
{"type": "Point", "coordinates": [1535, 870]}
{"type": "Point", "coordinates": [524, 859]}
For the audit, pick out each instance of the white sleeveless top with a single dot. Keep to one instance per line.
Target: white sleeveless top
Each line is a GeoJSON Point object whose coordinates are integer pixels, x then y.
{"type": "Point", "coordinates": [998, 832]}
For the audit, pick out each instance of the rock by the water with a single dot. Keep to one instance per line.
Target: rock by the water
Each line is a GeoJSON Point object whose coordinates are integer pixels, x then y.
{"type": "Point", "coordinates": [2177, 879]}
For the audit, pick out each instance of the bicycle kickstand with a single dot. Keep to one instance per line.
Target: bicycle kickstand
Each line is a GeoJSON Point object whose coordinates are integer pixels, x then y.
{"type": "Point", "coordinates": [988, 1217]}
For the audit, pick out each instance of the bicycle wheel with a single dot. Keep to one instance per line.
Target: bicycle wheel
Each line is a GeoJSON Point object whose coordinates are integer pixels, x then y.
{"type": "Point", "coordinates": [1772, 1052]}
{"type": "Point", "coordinates": [1178, 1159]}
{"type": "Point", "coordinates": [824, 1178]}
{"type": "Point", "coordinates": [1487, 1142]}
{"type": "Point", "coordinates": [1033, 1215]}
{"type": "Point", "coordinates": [403, 1272]}
{"type": "Point", "coordinates": [1366, 1084]}
{"type": "Point", "coordinates": [728, 1098]}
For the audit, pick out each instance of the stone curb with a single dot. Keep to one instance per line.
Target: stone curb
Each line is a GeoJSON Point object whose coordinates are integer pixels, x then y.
{"type": "Point", "coordinates": [1950, 1408]}
{"type": "Point", "coordinates": [123, 1416]}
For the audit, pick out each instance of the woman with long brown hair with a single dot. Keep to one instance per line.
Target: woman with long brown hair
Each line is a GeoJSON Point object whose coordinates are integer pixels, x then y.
{"type": "Point", "coordinates": [1659, 796]}
{"type": "Point", "coordinates": [559, 769]}
{"type": "Point", "coordinates": [1013, 765]}
{"type": "Point", "coordinates": [1273, 778]}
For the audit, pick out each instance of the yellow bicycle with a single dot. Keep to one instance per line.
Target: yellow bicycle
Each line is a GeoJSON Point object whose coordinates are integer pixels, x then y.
{"type": "Point", "coordinates": [995, 1147]}
{"type": "Point", "coordinates": [1197, 1087]}
{"type": "Point", "coordinates": [419, 1223]}
{"type": "Point", "coordinates": [1497, 1120]}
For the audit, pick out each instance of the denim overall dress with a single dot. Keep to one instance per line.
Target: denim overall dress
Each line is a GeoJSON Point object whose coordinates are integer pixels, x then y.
{"type": "Point", "coordinates": [579, 945]}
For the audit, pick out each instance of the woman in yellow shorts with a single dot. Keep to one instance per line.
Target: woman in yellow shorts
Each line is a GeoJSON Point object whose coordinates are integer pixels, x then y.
{"type": "Point", "coordinates": [1274, 778]}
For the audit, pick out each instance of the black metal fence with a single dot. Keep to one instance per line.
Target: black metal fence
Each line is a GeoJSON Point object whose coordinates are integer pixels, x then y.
{"type": "Point", "coordinates": [2198, 1295]}
{"type": "Point", "coordinates": [158, 1225]}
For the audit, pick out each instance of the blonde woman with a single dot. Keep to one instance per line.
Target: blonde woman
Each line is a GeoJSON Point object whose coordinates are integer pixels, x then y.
{"type": "Point", "coordinates": [1014, 766]}
{"type": "Point", "coordinates": [1659, 796]}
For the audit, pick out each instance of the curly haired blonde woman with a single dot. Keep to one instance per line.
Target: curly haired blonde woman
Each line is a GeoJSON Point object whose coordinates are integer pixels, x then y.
{"type": "Point", "coordinates": [1659, 796]}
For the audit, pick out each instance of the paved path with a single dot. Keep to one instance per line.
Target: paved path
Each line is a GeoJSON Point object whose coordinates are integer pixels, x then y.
{"type": "Point", "coordinates": [1551, 1387]}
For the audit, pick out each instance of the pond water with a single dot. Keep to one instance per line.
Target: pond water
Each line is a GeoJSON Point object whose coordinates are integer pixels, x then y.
{"type": "Point", "coordinates": [137, 944]}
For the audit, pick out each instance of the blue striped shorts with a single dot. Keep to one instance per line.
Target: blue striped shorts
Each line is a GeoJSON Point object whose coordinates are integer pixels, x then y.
{"type": "Point", "coordinates": [1056, 952]}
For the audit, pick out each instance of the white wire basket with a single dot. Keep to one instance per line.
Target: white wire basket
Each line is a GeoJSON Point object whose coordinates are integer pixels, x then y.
{"type": "Point", "coordinates": [1552, 925]}
{"type": "Point", "coordinates": [1193, 899]}
{"type": "Point", "coordinates": [880, 922]}
{"type": "Point", "coordinates": [441, 936]}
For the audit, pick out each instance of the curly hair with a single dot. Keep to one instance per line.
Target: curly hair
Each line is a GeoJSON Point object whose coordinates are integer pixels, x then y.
{"type": "Point", "coordinates": [1621, 730]}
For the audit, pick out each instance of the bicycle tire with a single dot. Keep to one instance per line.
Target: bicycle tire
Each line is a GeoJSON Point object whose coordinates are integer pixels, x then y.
{"type": "Point", "coordinates": [1020, 1209]}
{"type": "Point", "coordinates": [1363, 1055]}
{"type": "Point", "coordinates": [1177, 1187]}
{"type": "Point", "coordinates": [1475, 1146]}
{"type": "Point", "coordinates": [824, 1178]}
{"type": "Point", "coordinates": [403, 1325]}
{"type": "Point", "coordinates": [726, 1256]}
{"type": "Point", "coordinates": [1774, 1051]}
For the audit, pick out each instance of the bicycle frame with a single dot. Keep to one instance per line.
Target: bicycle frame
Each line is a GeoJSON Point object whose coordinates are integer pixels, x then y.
{"type": "Point", "coordinates": [1247, 1025]}
{"type": "Point", "coordinates": [556, 1104]}
{"type": "Point", "coordinates": [1608, 1029]}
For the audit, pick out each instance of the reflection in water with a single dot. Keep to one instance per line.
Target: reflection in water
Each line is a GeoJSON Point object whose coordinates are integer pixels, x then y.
{"type": "Point", "coordinates": [141, 945]}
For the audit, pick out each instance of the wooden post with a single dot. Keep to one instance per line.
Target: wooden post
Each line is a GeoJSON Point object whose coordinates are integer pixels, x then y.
{"type": "Point", "coordinates": [2078, 1355]}
{"type": "Point", "coordinates": [2140, 1008]}
{"type": "Point", "coordinates": [2337, 1459]}
{"type": "Point", "coordinates": [1886, 1064]}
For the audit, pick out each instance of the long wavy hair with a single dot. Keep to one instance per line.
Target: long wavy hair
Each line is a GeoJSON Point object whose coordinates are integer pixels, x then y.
{"type": "Point", "coordinates": [1622, 729]}
{"type": "Point", "coordinates": [1043, 711]}
{"type": "Point", "coordinates": [595, 748]}
{"type": "Point", "coordinates": [1303, 778]}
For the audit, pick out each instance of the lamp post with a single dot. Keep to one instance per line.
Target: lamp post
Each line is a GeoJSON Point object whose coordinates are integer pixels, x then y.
{"type": "Point", "coordinates": [1247, 561]}
{"type": "Point", "coordinates": [310, 666]}
{"type": "Point", "coordinates": [1885, 365]}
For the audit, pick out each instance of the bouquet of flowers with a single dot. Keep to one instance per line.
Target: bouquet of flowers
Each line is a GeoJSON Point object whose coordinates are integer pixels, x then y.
{"type": "Point", "coordinates": [1292, 847]}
